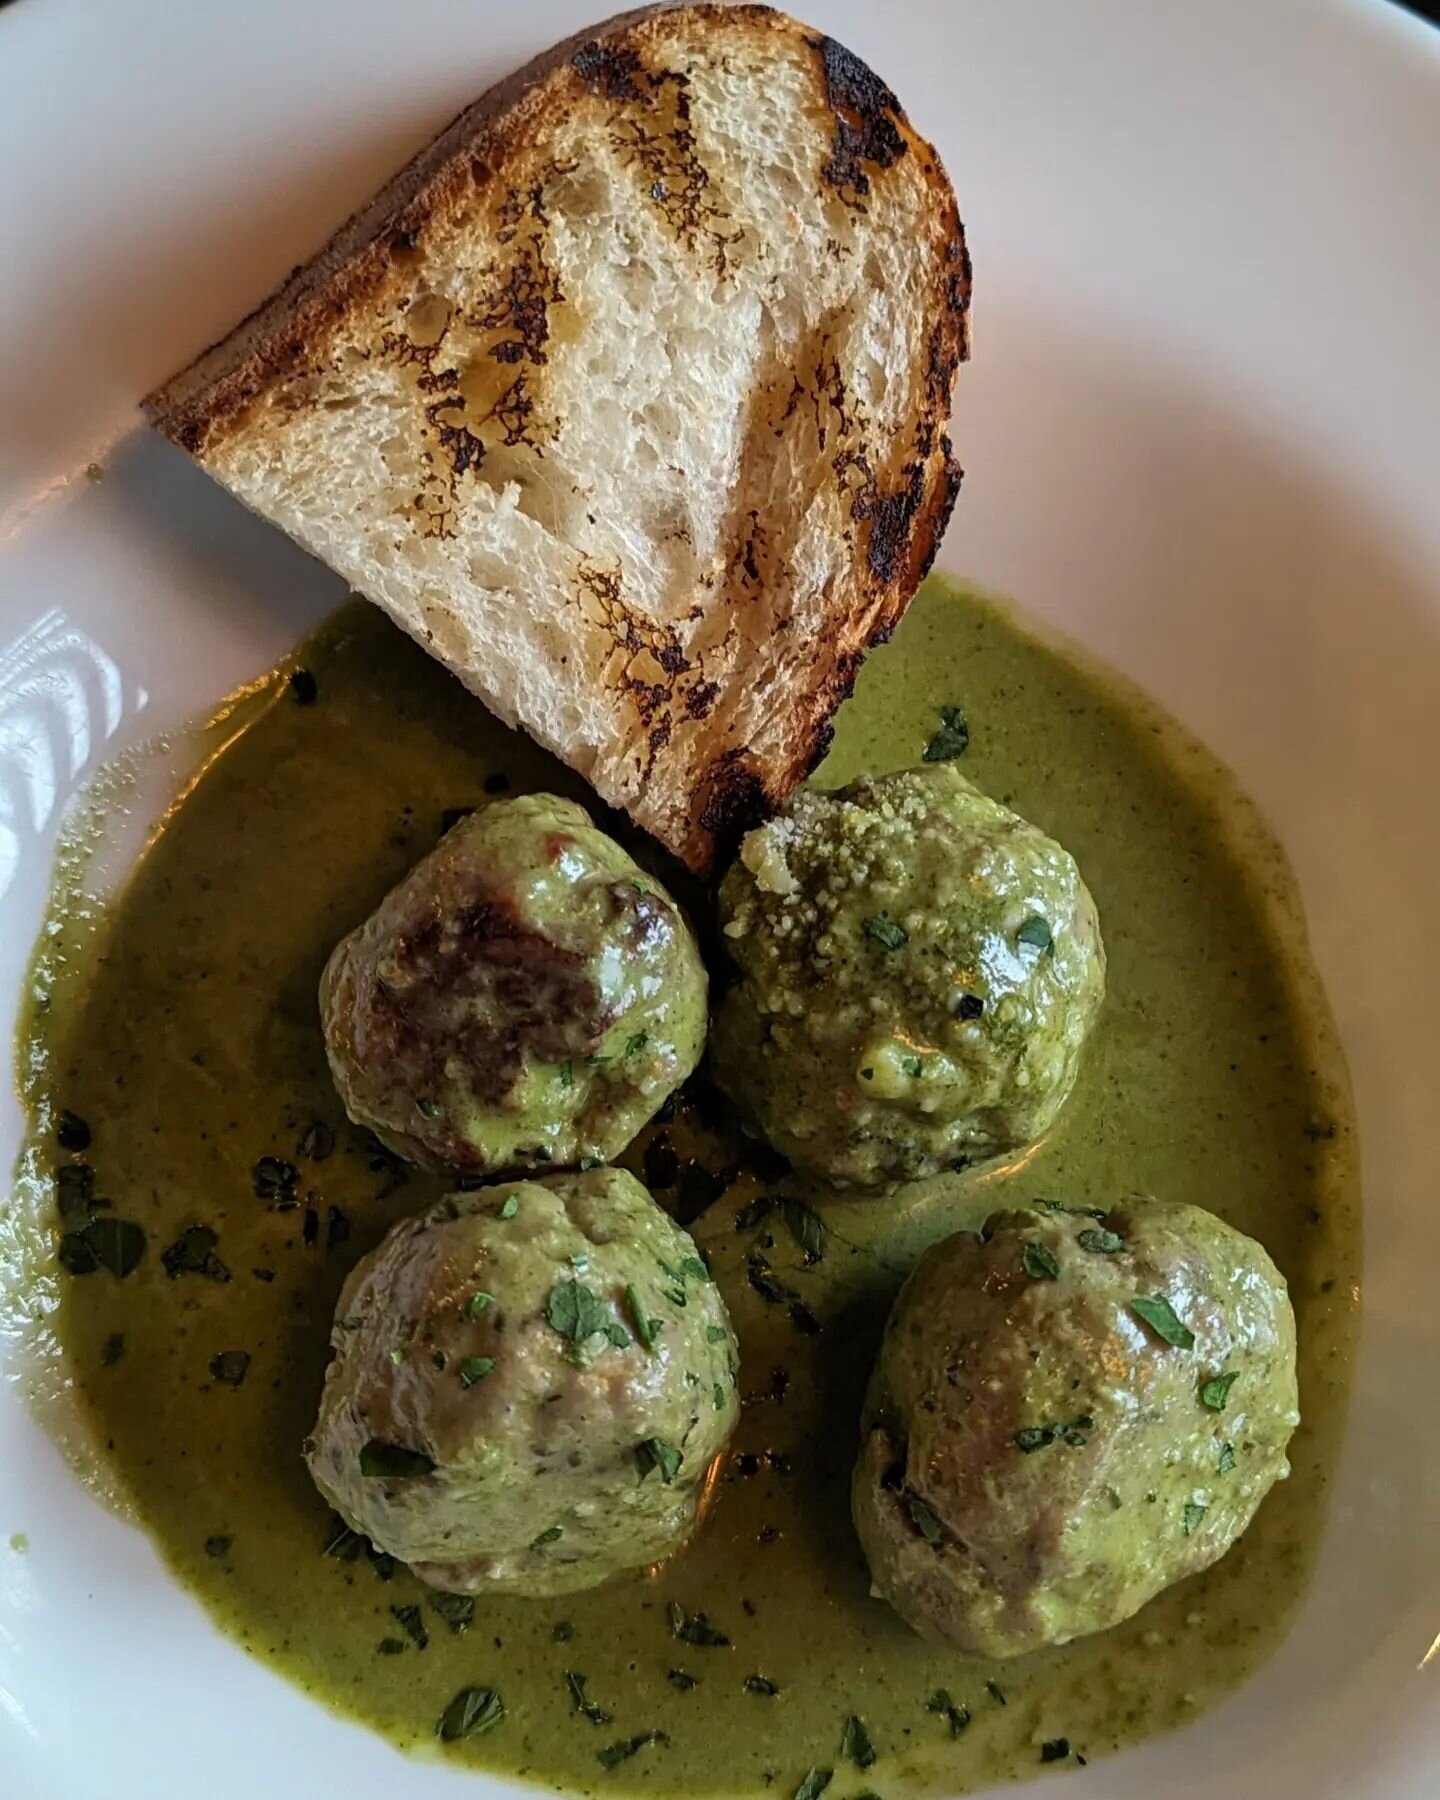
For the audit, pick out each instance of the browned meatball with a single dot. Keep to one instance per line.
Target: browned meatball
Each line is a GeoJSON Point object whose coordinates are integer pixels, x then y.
{"type": "Point", "coordinates": [1070, 1412]}
{"type": "Point", "coordinates": [525, 996]}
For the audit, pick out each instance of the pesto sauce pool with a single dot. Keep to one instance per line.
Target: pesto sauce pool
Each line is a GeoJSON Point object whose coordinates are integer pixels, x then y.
{"type": "Point", "coordinates": [186, 1038]}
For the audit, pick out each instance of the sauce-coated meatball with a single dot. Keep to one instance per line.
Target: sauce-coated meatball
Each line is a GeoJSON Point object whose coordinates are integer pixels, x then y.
{"type": "Point", "coordinates": [526, 996]}
{"type": "Point", "coordinates": [1070, 1412]}
{"type": "Point", "coordinates": [919, 968]}
{"type": "Point", "coordinates": [529, 1385]}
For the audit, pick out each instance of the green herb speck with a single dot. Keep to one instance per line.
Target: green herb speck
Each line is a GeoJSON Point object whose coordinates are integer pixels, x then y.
{"type": "Point", "coordinates": [951, 740]}
{"type": "Point", "coordinates": [575, 1311]}
{"type": "Point", "coordinates": [956, 1715]}
{"type": "Point", "coordinates": [411, 1621]}
{"type": "Point", "coordinates": [856, 1745]}
{"type": "Point", "coordinates": [1216, 1391]}
{"type": "Point", "coordinates": [885, 932]}
{"type": "Point", "coordinates": [814, 1784]}
{"type": "Point", "coordinates": [923, 1517]}
{"type": "Point", "coordinates": [655, 1453]}
{"type": "Point", "coordinates": [614, 1754]}
{"type": "Point", "coordinates": [584, 1705]}
{"type": "Point", "coordinates": [1161, 1317]}
{"type": "Point", "coordinates": [646, 1328]}
{"type": "Point", "coordinates": [1040, 1263]}
{"type": "Point", "coordinates": [472, 1711]}
{"type": "Point", "coordinates": [805, 1226]}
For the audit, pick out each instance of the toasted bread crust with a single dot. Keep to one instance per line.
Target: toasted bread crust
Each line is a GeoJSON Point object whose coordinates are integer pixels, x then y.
{"type": "Point", "coordinates": [709, 769]}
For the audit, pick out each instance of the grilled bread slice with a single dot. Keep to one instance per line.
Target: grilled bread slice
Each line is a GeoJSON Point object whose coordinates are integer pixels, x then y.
{"type": "Point", "coordinates": [627, 399]}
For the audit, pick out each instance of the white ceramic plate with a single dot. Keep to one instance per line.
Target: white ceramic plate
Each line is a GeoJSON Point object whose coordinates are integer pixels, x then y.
{"type": "Point", "coordinates": [1203, 433]}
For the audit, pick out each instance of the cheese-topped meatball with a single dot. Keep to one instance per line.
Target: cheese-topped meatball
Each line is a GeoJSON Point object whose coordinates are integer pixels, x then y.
{"type": "Point", "coordinates": [919, 971]}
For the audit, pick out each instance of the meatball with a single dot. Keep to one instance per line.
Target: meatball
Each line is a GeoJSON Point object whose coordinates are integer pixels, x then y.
{"type": "Point", "coordinates": [529, 1385]}
{"type": "Point", "coordinates": [525, 996]}
{"type": "Point", "coordinates": [919, 970]}
{"type": "Point", "coordinates": [1070, 1412]}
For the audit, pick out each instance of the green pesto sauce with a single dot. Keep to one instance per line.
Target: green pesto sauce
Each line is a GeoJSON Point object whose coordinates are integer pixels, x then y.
{"type": "Point", "coordinates": [185, 1031]}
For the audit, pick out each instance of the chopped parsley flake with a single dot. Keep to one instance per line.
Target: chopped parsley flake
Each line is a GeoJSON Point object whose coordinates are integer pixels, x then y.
{"type": "Point", "coordinates": [814, 1784]}
{"type": "Point", "coordinates": [230, 1367]}
{"type": "Point", "coordinates": [951, 740]}
{"type": "Point", "coordinates": [646, 1328]}
{"type": "Point", "coordinates": [694, 1628]}
{"type": "Point", "coordinates": [1040, 1263]}
{"type": "Point", "coordinates": [856, 1745]}
{"type": "Point", "coordinates": [1075, 1433]}
{"type": "Point", "coordinates": [885, 932]}
{"type": "Point", "coordinates": [584, 1705]}
{"type": "Point", "coordinates": [958, 1717]}
{"type": "Point", "coordinates": [1216, 1391]}
{"type": "Point", "coordinates": [575, 1311]}
{"type": "Point", "coordinates": [614, 1754]}
{"type": "Point", "coordinates": [472, 1711]}
{"type": "Point", "coordinates": [923, 1517]}
{"type": "Point", "coordinates": [763, 1280]}
{"type": "Point", "coordinates": [1161, 1317]}
{"type": "Point", "coordinates": [72, 1132]}
{"type": "Point", "coordinates": [457, 1610]}
{"type": "Point", "coordinates": [805, 1226]}
{"type": "Point", "coordinates": [655, 1453]}
{"type": "Point", "coordinates": [412, 1623]}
